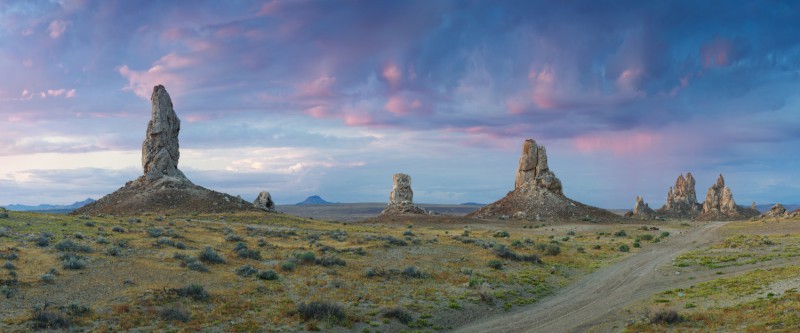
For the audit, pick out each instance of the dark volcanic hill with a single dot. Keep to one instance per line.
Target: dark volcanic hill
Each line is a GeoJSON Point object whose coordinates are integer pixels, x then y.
{"type": "Point", "coordinates": [314, 200]}
{"type": "Point", "coordinates": [163, 188]}
{"type": "Point", "coordinates": [538, 194]}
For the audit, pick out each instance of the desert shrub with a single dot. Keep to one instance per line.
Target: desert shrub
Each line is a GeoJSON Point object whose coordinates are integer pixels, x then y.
{"type": "Point", "coordinates": [43, 319]}
{"type": "Point", "coordinates": [180, 246]}
{"type": "Point", "coordinates": [581, 250]}
{"type": "Point", "coordinates": [637, 245]}
{"type": "Point", "coordinates": [564, 239]}
{"type": "Point", "coordinates": [101, 240]}
{"type": "Point", "coordinates": [47, 278]}
{"type": "Point", "coordinates": [70, 246]}
{"type": "Point", "coordinates": [43, 240]}
{"type": "Point", "coordinates": [175, 314]}
{"type": "Point", "coordinates": [624, 248]}
{"type": "Point", "coordinates": [390, 240]}
{"type": "Point", "coordinates": [322, 311]}
{"type": "Point", "coordinates": [73, 261]}
{"type": "Point", "coordinates": [9, 265]}
{"type": "Point", "coordinates": [328, 261]}
{"type": "Point", "coordinates": [502, 234]}
{"type": "Point", "coordinates": [503, 252]}
{"type": "Point", "coordinates": [134, 220]}
{"type": "Point", "coordinates": [262, 243]}
{"type": "Point", "coordinates": [288, 265]}
{"type": "Point", "coordinates": [77, 310]}
{"type": "Point", "coordinates": [155, 232]}
{"type": "Point", "coordinates": [246, 253]}
{"type": "Point", "coordinates": [408, 233]}
{"type": "Point", "coordinates": [596, 247]}
{"type": "Point", "coordinates": [114, 251]}
{"type": "Point", "coordinates": [647, 237]}
{"type": "Point", "coordinates": [233, 238]}
{"type": "Point", "coordinates": [246, 271]}
{"type": "Point", "coordinates": [664, 234]}
{"type": "Point", "coordinates": [165, 241]}
{"type": "Point", "coordinates": [413, 272]}
{"type": "Point", "coordinates": [8, 291]}
{"type": "Point", "coordinates": [268, 275]}
{"type": "Point", "coordinates": [78, 235]}
{"type": "Point", "coordinates": [374, 272]}
{"type": "Point", "coordinates": [620, 233]}
{"type": "Point", "coordinates": [210, 256]}
{"type": "Point", "coordinates": [517, 243]}
{"type": "Point", "coordinates": [306, 257]}
{"type": "Point", "coordinates": [89, 224]}
{"type": "Point", "coordinates": [401, 314]}
{"type": "Point", "coordinates": [197, 266]}
{"type": "Point", "coordinates": [118, 229]}
{"type": "Point", "coordinates": [663, 316]}
{"type": "Point", "coordinates": [195, 291]}
{"type": "Point", "coordinates": [496, 264]}
{"type": "Point", "coordinates": [549, 249]}
{"type": "Point", "coordinates": [571, 233]}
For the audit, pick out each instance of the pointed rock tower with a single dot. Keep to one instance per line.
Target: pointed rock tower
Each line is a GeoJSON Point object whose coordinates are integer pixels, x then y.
{"type": "Point", "coordinates": [642, 210]}
{"type": "Point", "coordinates": [401, 199]}
{"type": "Point", "coordinates": [681, 199]}
{"type": "Point", "coordinates": [163, 188]}
{"type": "Point", "coordinates": [719, 204]}
{"type": "Point", "coordinates": [538, 194]}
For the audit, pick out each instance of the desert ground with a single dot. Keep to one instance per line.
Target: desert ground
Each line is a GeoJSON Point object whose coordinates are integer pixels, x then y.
{"type": "Point", "coordinates": [266, 272]}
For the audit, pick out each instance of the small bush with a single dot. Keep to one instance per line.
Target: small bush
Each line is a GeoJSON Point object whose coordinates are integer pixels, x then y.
{"type": "Point", "coordinates": [70, 246]}
{"type": "Point", "coordinates": [101, 240]}
{"type": "Point", "coordinates": [43, 240]}
{"type": "Point", "coordinates": [246, 271]}
{"type": "Point", "coordinates": [175, 313]}
{"type": "Point", "coordinates": [195, 291]}
{"type": "Point", "coordinates": [47, 278]}
{"type": "Point", "coordinates": [89, 224]}
{"type": "Point", "coordinates": [72, 261]}
{"type": "Point", "coordinates": [165, 241]}
{"type": "Point", "coordinates": [663, 316]}
{"type": "Point", "coordinates": [114, 251]}
{"type": "Point", "coordinates": [502, 234]}
{"type": "Point", "coordinates": [374, 272]}
{"type": "Point", "coordinates": [118, 229]}
{"type": "Point", "coordinates": [413, 272]}
{"type": "Point", "coordinates": [620, 233]}
{"type": "Point", "coordinates": [9, 265]}
{"type": "Point", "coordinates": [401, 314]}
{"type": "Point", "coordinates": [288, 266]}
{"type": "Point", "coordinates": [571, 233]}
{"type": "Point", "coordinates": [549, 249]}
{"type": "Point", "coordinates": [408, 233]}
{"type": "Point", "coordinates": [155, 232]}
{"type": "Point", "coordinates": [322, 311]}
{"type": "Point", "coordinates": [180, 246]}
{"type": "Point", "coordinates": [637, 245]}
{"type": "Point", "coordinates": [624, 248]}
{"type": "Point", "coordinates": [496, 264]}
{"type": "Point", "coordinates": [210, 256]}
{"type": "Point", "coordinates": [233, 238]}
{"type": "Point", "coordinates": [665, 234]}
{"type": "Point", "coordinates": [43, 319]}
{"type": "Point", "coordinates": [197, 266]}
{"type": "Point", "coordinates": [328, 261]}
{"type": "Point", "coordinates": [246, 253]}
{"type": "Point", "coordinates": [306, 257]}
{"type": "Point", "coordinates": [647, 237]}
{"type": "Point", "coordinates": [581, 250]}
{"type": "Point", "coordinates": [268, 275]}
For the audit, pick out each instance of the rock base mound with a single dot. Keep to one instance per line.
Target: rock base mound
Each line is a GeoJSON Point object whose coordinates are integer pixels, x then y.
{"type": "Point", "coordinates": [165, 195]}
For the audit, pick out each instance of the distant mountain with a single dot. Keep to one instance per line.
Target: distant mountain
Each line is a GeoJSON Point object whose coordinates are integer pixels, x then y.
{"type": "Point", "coordinates": [765, 207]}
{"type": "Point", "coordinates": [46, 207]}
{"type": "Point", "coordinates": [314, 200]}
{"type": "Point", "coordinates": [472, 204]}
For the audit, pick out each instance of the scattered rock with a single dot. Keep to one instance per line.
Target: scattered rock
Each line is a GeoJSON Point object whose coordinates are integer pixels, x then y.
{"type": "Point", "coordinates": [538, 194]}
{"type": "Point", "coordinates": [681, 199]}
{"type": "Point", "coordinates": [162, 187]}
{"type": "Point", "coordinates": [401, 199]}
{"type": "Point", "coordinates": [264, 202]}
{"type": "Point", "coordinates": [642, 210]}
{"type": "Point", "coordinates": [776, 211]}
{"type": "Point", "coordinates": [719, 204]}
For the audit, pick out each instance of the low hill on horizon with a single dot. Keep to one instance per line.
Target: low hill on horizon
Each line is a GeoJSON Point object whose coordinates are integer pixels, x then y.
{"type": "Point", "coordinates": [49, 207]}
{"type": "Point", "coordinates": [314, 200]}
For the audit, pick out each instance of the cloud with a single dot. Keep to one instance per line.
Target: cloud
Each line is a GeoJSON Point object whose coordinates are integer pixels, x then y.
{"type": "Point", "coordinates": [57, 28]}
{"type": "Point", "coordinates": [166, 71]}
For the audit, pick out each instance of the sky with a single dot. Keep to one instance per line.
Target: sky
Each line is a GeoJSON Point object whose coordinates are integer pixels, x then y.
{"type": "Point", "coordinates": [332, 98]}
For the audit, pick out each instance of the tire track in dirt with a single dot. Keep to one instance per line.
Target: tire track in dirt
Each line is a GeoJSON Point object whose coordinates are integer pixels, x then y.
{"type": "Point", "coordinates": [596, 297]}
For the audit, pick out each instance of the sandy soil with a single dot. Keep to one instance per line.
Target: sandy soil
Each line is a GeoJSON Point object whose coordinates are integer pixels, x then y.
{"type": "Point", "coordinates": [593, 303]}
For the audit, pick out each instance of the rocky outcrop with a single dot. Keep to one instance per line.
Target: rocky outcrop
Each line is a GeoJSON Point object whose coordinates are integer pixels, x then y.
{"type": "Point", "coordinates": [163, 188]}
{"type": "Point", "coordinates": [681, 199]}
{"type": "Point", "coordinates": [401, 199]}
{"type": "Point", "coordinates": [538, 194]}
{"type": "Point", "coordinates": [642, 210]}
{"type": "Point", "coordinates": [776, 211]}
{"type": "Point", "coordinates": [264, 202]}
{"type": "Point", "coordinates": [719, 204]}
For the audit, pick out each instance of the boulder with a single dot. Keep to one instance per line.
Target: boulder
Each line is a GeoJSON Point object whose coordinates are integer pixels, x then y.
{"type": "Point", "coordinates": [264, 202]}
{"type": "Point", "coordinates": [538, 194]}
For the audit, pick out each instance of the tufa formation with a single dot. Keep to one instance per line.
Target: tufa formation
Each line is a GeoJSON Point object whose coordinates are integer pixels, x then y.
{"type": "Point", "coordinates": [264, 202]}
{"type": "Point", "coordinates": [162, 187]}
{"type": "Point", "coordinates": [719, 204]}
{"type": "Point", "coordinates": [538, 194]}
{"type": "Point", "coordinates": [776, 211]}
{"type": "Point", "coordinates": [681, 199]}
{"type": "Point", "coordinates": [401, 199]}
{"type": "Point", "coordinates": [642, 210]}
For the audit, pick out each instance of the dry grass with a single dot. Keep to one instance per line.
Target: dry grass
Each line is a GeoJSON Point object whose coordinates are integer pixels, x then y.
{"type": "Point", "coordinates": [451, 282]}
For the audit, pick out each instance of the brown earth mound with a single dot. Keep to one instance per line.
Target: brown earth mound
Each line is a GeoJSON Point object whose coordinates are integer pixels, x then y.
{"type": "Point", "coordinates": [538, 195]}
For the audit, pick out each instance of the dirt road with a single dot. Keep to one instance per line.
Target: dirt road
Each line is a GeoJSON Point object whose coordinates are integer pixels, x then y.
{"type": "Point", "coordinates": [592, 301]}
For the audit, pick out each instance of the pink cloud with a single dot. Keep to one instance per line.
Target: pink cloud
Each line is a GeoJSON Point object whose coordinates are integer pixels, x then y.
{"type": "Point", "coordinates": [318, 111]}
{"type": "Point", "coordinates": [270, 8]}
{"type": "Point", "coordinates": [57, 28]}
{"type": "Point", "coordinates": [163, 72]}
{"type": "Point", "coordinates": [628, 80]}
{"type": "Point", "coordinates": [544, 87]}
{"type": "Point", "coordinates": [717, 53]}
{"type": "Point", "coordinates": [357, 119]}
{"type": "Point", "coordinates": [319, 87]}
{"type": "Point", "coordinates": [619, 143]}
{"type": "Point", "coordinates": [393, 74]}
{"type": "Point", "coordinates": [401, 105]}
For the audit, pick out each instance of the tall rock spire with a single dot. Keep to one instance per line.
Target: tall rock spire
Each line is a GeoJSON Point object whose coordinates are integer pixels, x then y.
{"type": "Point", "coordinates": [160, 147]}
{"type": "Point", "coordinates": [533, 171]}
